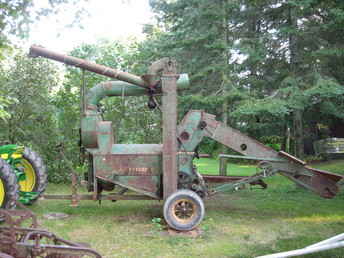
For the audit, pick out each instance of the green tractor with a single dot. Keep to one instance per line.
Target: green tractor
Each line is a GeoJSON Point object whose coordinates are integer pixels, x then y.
{"type": "Point", "coordinates": [23, 175]}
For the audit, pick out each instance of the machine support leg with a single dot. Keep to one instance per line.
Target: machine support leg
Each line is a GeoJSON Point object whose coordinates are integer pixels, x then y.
{"type": "Point", "coordinates": [169, 117]}
{"type": "Point", "coordinates": [223, 167]}
{"type": "Point", "coordinates": [75, 200]}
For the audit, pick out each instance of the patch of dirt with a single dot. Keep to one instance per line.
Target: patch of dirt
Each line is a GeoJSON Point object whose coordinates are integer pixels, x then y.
{"type": "Point", "coordinates": [192, 233]}
{"type": "Point", "coordinates": [127, 218]}
{"type": "Point", "coordinates": [55, 215]}
{"type": "Point", "coordinates": [84, 233]}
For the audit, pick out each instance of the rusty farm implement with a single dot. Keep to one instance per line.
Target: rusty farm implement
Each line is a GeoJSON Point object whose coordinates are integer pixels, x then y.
{"type": "Point", "coordinates": [166, 171]}
{"type": "Point", "coordinates": [18, 241]}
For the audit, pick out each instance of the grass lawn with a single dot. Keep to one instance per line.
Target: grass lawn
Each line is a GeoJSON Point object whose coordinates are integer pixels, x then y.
{"type": "Point", "coordinates": [246, 223]}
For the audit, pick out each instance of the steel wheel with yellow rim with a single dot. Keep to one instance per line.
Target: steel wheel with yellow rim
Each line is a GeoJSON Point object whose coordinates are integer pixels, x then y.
{"type": "Point", "coordinates": [27, 185]}
{"type": "Point", "coordinates": [183, 210]}
{"type": "Point", "coordinates": [35, 172]}
{"type": "Point", "coordinates": [8, 186]}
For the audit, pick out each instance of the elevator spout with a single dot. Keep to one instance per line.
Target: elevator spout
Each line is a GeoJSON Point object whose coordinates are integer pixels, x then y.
{"type": "Point", "coordinates": [144, 82]}
{"type": "Point", "coordinates": [36, 51]}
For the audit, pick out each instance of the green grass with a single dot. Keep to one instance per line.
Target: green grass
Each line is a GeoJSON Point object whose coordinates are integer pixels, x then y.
{"type": "Point", "coordinates": [211, 166]}
{"type": "Point", "coordinates": [246, 223]}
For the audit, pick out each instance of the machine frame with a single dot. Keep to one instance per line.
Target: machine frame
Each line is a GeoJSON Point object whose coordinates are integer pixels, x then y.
{"type": "Point", "coordinates": [166, 171]}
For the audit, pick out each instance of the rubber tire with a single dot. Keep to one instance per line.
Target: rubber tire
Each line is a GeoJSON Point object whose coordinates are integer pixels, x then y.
{"type": "Point", "coordinates": [3, 255]}
{"type": "Point", "coordinates": [11, 186]}
{"type": "Point", "coordinates": [40, 170]}
{"type": "Point", "coordinates": [183, 194]}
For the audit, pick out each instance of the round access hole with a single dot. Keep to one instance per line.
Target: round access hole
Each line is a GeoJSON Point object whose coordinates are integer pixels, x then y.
{"type": "Point", "coordinates": [243, 147]}
{"type": "Point", "coordinates": [184, 136]}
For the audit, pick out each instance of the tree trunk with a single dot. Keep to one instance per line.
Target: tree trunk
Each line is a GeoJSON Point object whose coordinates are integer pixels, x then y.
{"type": "Point", "coordinates": [225, 80]}
{"type": "Point", "coordinates": [286, 139]}
{"type": "Point", "coordinates": [298, 113]}
{"type": "Point", "coordinates": [298, 134]}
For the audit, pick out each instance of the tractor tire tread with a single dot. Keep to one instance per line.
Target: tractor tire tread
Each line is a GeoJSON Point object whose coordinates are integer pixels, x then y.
{"type": "Point", "coordinates": [10, 183]}
{"type": "Point", "coordinates": [40, 169]}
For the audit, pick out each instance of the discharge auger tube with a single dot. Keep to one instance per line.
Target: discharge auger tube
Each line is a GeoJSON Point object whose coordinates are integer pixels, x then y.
{"type": "Point", "coordinates": [36, 51]}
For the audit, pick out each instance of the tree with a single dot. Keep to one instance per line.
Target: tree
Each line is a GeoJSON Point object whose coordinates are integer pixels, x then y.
{"type": "Point", "coordinates": [17, 16]}
{"type": "Point", "coordinates": [286, 71]}
{"type": "Point", "coordinates": [15, 20]}
{"type": "Point", "coordinates": [29, 85]}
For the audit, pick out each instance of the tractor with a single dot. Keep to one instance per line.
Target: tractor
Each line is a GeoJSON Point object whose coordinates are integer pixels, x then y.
{"type": "Point", "coordinates": [23, 175]}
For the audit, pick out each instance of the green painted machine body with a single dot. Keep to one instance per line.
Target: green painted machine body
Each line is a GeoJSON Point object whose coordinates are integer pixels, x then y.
{"type": "Point", "coordinates": [133, 166]}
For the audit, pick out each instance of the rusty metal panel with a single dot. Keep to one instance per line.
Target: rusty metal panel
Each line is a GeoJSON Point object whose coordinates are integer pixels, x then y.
{"type": "Point", "coordinates": [147, 185]}
{"type": "Point", "coordinates": [144, 149]}
{"type": "Point", "coordinates": [241, 143]}
{"type": "Point", "coordinates": [197, 124]}
{"type": "Point", "coordinates": [129, 165]}
{"type": "Point", "coordinates": [169, 136]}
{"type": "Point", "coordinates": [332, 176]}
{"type": "Point", "coordinates": [325, 187]}
{"type": "Point", "coordinates": [137, 167]}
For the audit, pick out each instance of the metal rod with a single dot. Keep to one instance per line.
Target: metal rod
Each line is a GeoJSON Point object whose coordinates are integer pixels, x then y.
{"type": "Point", "coordinates": [250, 157]}
{"type": "Point", "coordinates": [221, 179]}
{"type": "Point", "coordinates": [36, 51]}
{"type": "Point", "coordinates": [100, 197]}
{"type": "Point", "coordinates": [233, 186]}
{"type": "Point", "coordinates": [83, 94]}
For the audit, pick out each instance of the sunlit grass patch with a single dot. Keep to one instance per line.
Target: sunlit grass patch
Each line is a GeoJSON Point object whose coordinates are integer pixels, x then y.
{"type": "Point", "coordinates": [318, 219]}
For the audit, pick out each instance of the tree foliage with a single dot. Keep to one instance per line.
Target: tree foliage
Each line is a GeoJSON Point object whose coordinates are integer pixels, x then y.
{"type": "Point", "coordinates": [16, 16]}
{"type": "Point", "coordinates": [284, 57]}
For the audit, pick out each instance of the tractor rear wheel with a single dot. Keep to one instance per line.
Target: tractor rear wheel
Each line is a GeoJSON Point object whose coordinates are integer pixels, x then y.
{"type": "Point", "coordinates": [35, 173]}
{"type": "Point", "coordinates": [3, 255]}
{"type": "Point", "coordinates": [183, 210]}
{"type": "Point", "coordinates": [8, 186]}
